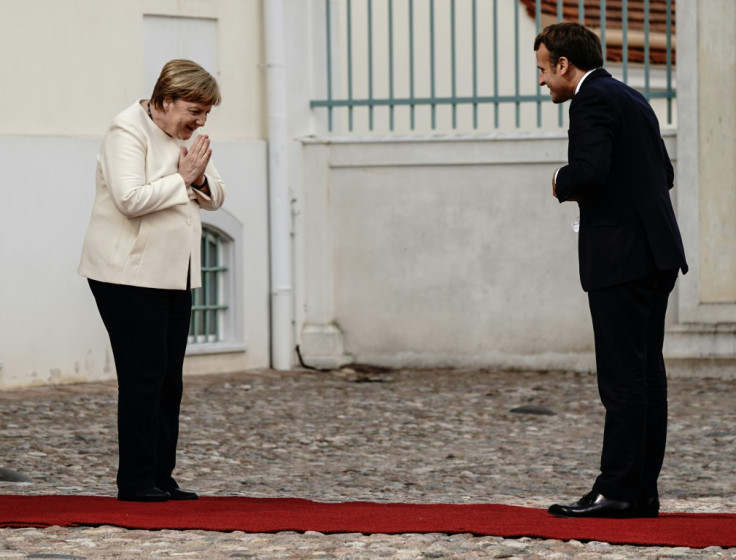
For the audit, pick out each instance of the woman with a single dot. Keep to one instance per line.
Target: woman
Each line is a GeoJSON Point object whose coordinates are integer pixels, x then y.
{"type": "Point", "coordinates": [141, 256]}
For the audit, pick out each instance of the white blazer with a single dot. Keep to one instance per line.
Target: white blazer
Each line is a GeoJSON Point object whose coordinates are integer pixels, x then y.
{"type": "Point", "coordinates": [145, 227]}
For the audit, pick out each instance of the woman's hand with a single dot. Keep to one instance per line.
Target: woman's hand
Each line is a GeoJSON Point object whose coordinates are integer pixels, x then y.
{"type": "Point", "coordinates": [192, 162]}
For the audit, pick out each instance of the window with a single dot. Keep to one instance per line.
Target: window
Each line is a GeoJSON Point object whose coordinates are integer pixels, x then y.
{"type": "Point", "coordinates": [208, 302]}
{"type": "Point", "coordinates": [169, 37]}
{"type": "Point", "coordinates": [217, 322]}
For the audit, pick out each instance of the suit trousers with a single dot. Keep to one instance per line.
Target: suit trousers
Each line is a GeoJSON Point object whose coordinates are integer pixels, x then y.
{"type": "Point", "coordinates": [148, 331]}
{"type": "Point", "coordinates": [628, 324]}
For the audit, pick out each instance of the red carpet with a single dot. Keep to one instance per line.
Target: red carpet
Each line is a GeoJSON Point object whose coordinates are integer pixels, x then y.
{"type": "Point", "coordinates": [257, 515]}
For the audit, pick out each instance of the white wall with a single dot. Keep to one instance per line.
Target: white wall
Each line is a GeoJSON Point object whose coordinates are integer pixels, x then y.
{"type": "Point", "coordinates": [707, 133]}
{"type": "Point", "coordinates": [49, 326]}
{"type": "Point", "coordinates": [75, 63]}
{"type": "Point", "coordinates": [442, 253]}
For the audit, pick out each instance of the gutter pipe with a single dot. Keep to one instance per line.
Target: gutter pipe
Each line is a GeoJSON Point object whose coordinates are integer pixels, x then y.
{"type": "Point", "coordinates": [278, 189]}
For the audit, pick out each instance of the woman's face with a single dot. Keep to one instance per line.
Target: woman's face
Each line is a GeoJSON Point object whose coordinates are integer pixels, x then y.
{"type": "Point", "coordinates": [182, 118]}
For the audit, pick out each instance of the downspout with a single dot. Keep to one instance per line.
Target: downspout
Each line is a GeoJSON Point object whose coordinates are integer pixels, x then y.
{"type": "Point", "coordinates": [278, 188]}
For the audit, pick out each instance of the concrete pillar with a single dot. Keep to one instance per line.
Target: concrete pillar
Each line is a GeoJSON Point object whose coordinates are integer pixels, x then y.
{"type": "Point", "coordinates": [717, 153]}
{"type": "Point", "coordinates": [706, 181]}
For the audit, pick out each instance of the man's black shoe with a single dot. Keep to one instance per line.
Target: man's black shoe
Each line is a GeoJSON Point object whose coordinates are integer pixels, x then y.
{"type": "Point", "coordinates": [147, 495]}
{"type": "Point", "coordinates": [179, 494]}
{"type": "Point", "coordinates": [596, 505]}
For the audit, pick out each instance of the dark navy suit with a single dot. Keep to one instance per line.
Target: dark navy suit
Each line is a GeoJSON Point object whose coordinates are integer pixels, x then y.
{"type": "Point", "coordinates": [630, 253]}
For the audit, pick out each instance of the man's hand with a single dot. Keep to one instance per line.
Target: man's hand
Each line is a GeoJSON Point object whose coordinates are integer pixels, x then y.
{"type": "Point", "coordinates": [576, 198]}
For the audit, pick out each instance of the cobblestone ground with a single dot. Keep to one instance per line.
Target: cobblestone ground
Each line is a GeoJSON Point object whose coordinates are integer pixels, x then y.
{"type": "Point", "coordinates": [400, 436]}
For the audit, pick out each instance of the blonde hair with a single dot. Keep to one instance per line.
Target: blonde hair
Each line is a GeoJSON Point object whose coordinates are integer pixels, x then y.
{"type": "Point", "coordinates": [186, 80]}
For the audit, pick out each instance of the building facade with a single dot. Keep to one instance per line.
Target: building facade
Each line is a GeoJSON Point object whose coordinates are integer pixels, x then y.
{"type": "Point", "coordinates": [419, 236]}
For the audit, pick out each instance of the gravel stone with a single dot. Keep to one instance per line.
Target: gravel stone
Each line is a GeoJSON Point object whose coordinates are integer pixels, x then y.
{"type": "Point", "coordinates": [363, 434]}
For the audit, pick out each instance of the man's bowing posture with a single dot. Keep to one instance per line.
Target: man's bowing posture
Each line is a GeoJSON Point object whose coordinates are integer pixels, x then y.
{"type": "Point", "coordinates": [630, 252]}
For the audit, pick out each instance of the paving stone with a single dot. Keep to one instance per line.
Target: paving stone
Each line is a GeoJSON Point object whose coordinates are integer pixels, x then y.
{"type": "Point", "coordinates": [364, 434]}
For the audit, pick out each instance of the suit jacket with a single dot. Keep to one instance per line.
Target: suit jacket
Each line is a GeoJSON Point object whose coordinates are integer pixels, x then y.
{"type": "Point", "coordinates": [145, 228]}
{"type": "Point", "coordinates": [619, 170]}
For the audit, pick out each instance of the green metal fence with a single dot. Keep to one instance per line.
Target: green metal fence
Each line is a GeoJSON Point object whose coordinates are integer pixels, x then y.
{"type": "Point", "coordinates": [394, 56]}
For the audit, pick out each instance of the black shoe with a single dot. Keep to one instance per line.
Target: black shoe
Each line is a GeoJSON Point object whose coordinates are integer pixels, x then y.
{"type": "Point", "coordinates": [147, 495]}
{"type": "Point", "coordinates": [649, 507]}
{"type": "Point", "coordinates": [179, 494]}
{"type": "Point", "coordinates": [596, 505]}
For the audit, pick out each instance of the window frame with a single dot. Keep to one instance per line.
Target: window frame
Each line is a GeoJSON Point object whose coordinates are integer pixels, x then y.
{"type": "Point", "coordinates": [230, 230]}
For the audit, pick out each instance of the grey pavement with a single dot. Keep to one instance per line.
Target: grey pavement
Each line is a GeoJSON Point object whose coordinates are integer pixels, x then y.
{"type": "Point", "coordinates": [364, 434]}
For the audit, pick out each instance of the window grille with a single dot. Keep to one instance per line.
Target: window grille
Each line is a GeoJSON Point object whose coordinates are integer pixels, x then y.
{"type": "Point", "coordinates": [467, 65]}
{"type": "Point", "coordinates": [209, 304]}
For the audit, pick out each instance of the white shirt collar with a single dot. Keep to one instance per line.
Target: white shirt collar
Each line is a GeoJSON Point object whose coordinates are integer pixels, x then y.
{"type": "Point", "coordinates": [580, 83]}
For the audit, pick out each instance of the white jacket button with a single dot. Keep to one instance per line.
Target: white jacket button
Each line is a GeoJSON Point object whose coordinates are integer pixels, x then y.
{"type": "Point", "coordinates": [189, 222]}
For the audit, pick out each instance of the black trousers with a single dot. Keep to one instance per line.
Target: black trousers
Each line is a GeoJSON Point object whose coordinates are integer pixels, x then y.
{"type": "Point", "coordinates": [148, 331]}
{"type": "Point", "coordinates": [628, 323]}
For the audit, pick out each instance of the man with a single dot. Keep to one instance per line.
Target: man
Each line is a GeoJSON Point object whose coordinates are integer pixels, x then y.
{"type": "Point", "coordinates": [630, 252]}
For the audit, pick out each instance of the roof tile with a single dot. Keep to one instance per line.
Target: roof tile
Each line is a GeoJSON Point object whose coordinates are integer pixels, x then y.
{"type": "Point", "coordinates": [613, 22]}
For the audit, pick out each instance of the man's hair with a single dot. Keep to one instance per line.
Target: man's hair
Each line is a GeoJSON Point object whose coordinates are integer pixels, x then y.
{"type": "Point", "coordinates": [575, 42]}
{"type": "Point", "coordinates": [185, 80]}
